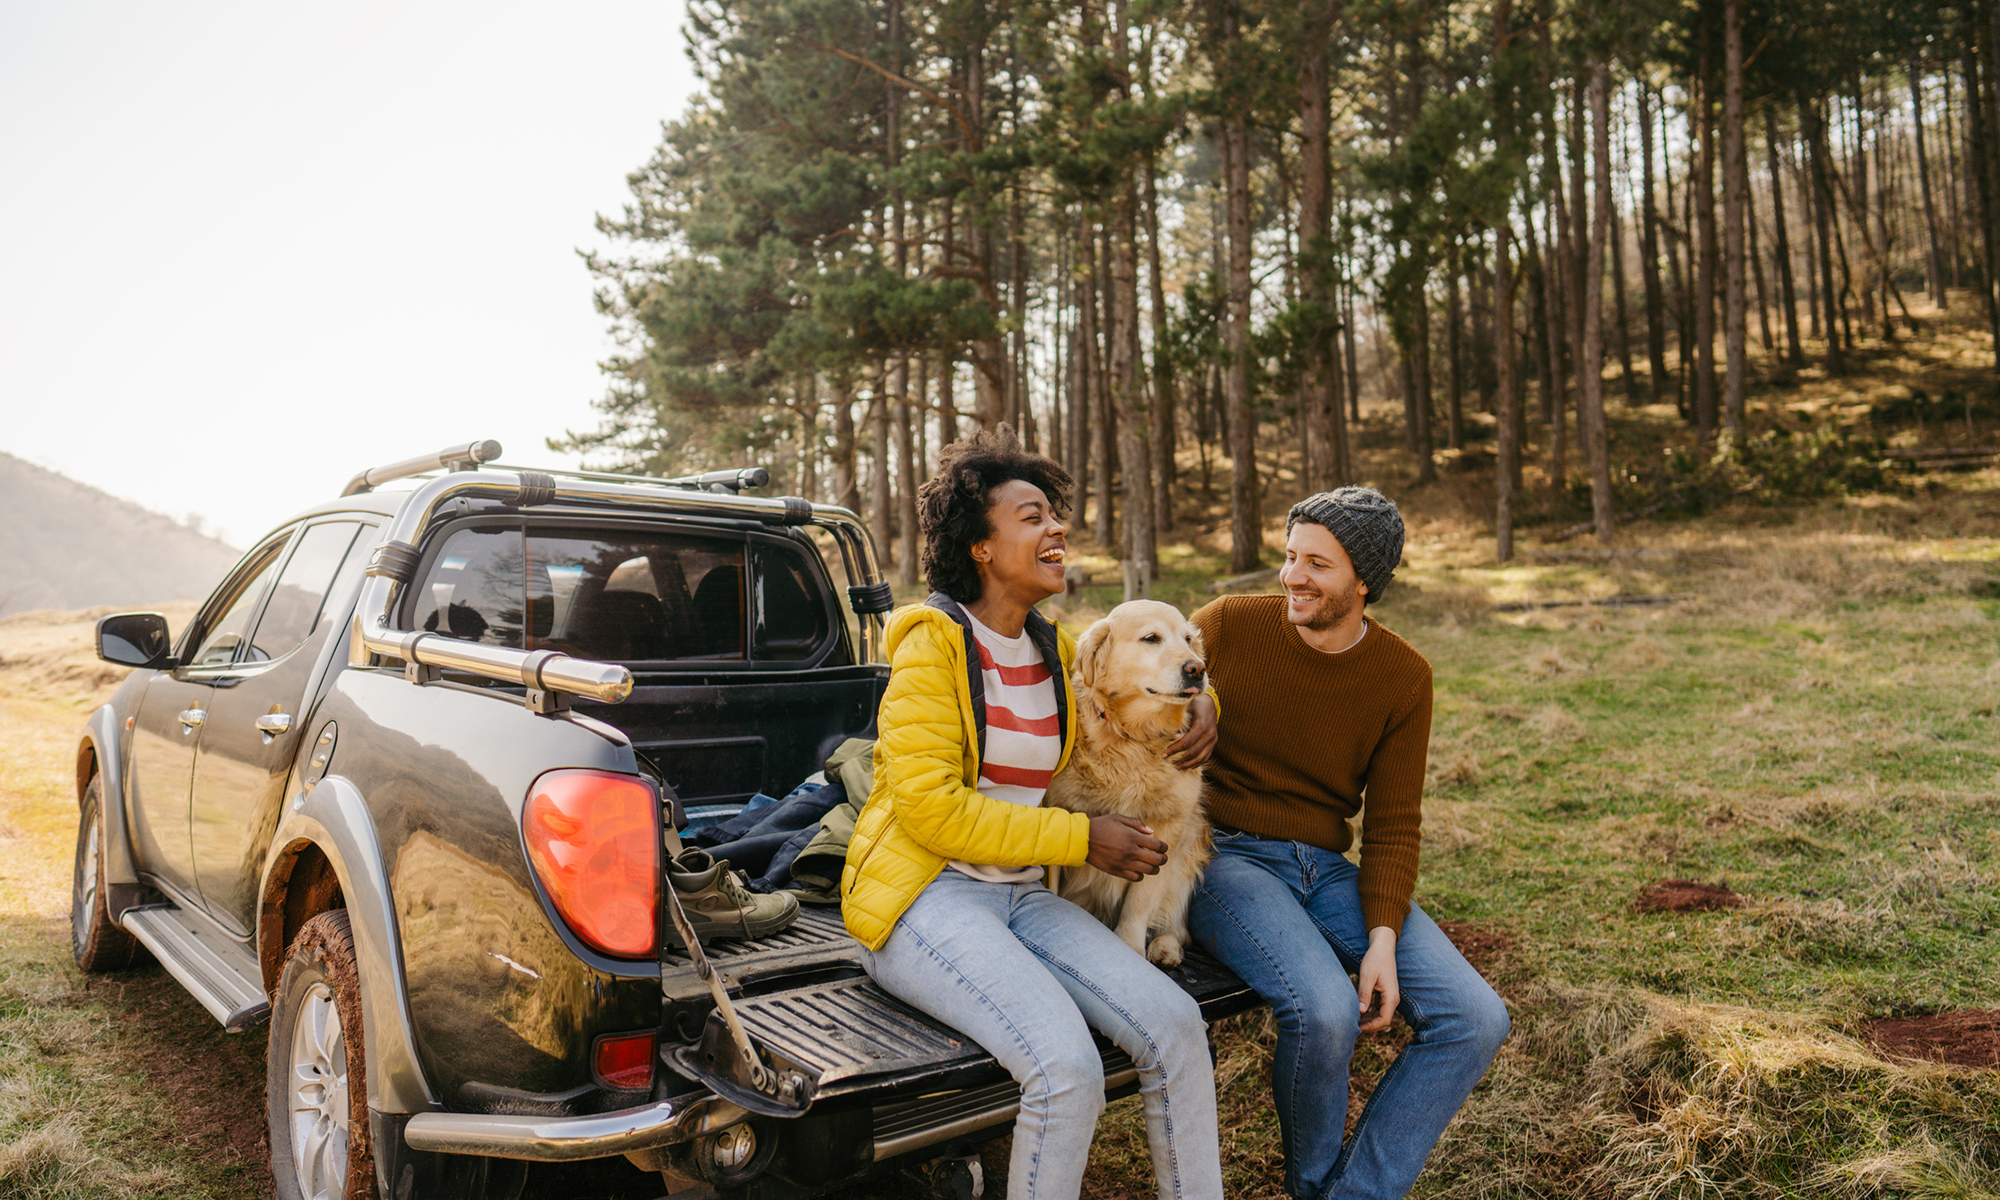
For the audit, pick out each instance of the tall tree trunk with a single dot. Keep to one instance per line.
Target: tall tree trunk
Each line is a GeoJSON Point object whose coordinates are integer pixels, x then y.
{"type": "Point", "coordinates": [1165, 402]}
{"type": "Point", "coordinates": [1106, 416]}
{"type": "Point", "coordinates": [907, 479]}
{"type": "Point", "coordinates": [1349, 335]}
{"type": "Point", "coordinates": [1979, 153]}
{"type": "Point", "coordinates": [1933, 259]}
{"type": "Point", "coordinates": [1507, 446]}
{"type": "Point", "coordinates": [881, 496]}
{"type": "Point", "coordinates": [806, 392]}
{"type": "Point", "coordinates": [1704, 288]}
{"type": "Point", "coordinates": [1077, 432]}
{"type": "Point", "coordinates": [1590, 394]}
{"type": "Point", "coordinates": [1990, 119]}
{"type": "Point", "coordinates": [1326, 423]}
{"type": "Point", "coordinates": [1624, 324]}
{"type": "Point", "coordinates": [1649, 254]}
{"type": "Point", "coordinates": [1782, 252]}
{"type": "Point", "coordinates": [1750, 224]}
{"type": "Point", "coordinates": [1735, 183]}
{"type": "Point", "coordinates": [1808, 206]}
{"type": "Point", "coordinates": [1082, 422]}
{"type": "Point", "coordinates": [1134, 449]}
{"type": "Point", "coordinates": [1423, 437]}
{"type": "Point", "coordinates": [1246, 533]}
{"type": "Point", "coordinates": [947, 403]}
{"type": "Point", "coordinates": [985, 352]}
{"type": "Point", "coordinates": [1573, 238]}
{"type": "Point", "coordinates": [1815, 131]}
{"type": "Point", "coordinates": [1555, 402]}
{"type": "Point", "coordinates": [1541, 320]}
{"type": "Point", "coordinates": [1953, 185]}
{"type": "Point", "coordinates": [898, 408]}
{"type": "Point", "coordinates": [846, 483]}
{"type": "Point", "coordinates": [1683, 281]}
{"type": "Point", "coordinates": [1454, 323]}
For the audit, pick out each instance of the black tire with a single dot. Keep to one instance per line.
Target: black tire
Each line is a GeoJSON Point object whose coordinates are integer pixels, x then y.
{"type": "Point", "coordinates": [96, 941]}
{"type": "Point", "coordinates": [316, 1095]}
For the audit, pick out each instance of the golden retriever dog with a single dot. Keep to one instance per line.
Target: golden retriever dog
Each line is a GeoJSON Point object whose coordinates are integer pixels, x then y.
{"type": "Point", "coordinates": [1136, 670]}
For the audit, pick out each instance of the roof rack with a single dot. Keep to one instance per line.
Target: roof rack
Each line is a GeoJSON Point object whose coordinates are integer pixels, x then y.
{"type": "Point", "coordinates": [464, 457]}
{"type": "Point", "coordinates": [471, 456]}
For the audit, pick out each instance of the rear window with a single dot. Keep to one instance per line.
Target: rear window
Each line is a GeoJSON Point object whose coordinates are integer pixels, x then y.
{"type": "Point", "coordinates": [625, 595]}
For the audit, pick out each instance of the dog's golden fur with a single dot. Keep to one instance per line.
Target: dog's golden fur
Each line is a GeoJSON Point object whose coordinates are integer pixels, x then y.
{"type": "Point", "coordinates": [1136, 670]}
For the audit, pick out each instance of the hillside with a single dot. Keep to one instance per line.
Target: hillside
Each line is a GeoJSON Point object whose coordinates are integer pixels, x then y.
{"type": "Point", "coordinates": [68, 546]}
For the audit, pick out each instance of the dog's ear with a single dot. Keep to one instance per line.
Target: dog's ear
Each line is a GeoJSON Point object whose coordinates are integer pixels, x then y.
{"type": "Point", "coordinates": [1092, 651]}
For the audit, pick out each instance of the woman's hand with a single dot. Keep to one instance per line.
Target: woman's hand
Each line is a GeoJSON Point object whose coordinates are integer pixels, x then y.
{"type": "Point", "coordinates": [1122, 846]}
{"type": "Point", "coordinates": [1197, 741]}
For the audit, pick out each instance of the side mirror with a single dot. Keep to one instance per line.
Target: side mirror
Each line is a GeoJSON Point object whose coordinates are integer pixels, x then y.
{"type": "Point", "coordinates": [134, 640]}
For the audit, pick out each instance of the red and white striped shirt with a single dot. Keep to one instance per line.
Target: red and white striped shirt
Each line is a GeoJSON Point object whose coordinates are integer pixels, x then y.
{"type": "Point", "coordinates": [1023, 739]}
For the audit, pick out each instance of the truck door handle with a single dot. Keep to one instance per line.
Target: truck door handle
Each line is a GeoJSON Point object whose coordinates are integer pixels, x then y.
{"type": "Point", "coordinates": [192, 718]}
{"type": "Point", "coordinates": [274, 723]}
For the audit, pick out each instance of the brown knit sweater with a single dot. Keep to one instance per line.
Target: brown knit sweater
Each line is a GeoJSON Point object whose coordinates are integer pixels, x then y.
{"type": "Point", "coordinates": [1306, 735]}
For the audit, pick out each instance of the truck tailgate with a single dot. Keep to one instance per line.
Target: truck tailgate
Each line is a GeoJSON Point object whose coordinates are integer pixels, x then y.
{"type": "Point", "coordinates": [802, 995]}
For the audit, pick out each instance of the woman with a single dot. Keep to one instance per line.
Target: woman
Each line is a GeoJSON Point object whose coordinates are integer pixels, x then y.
{"type": "Point", "coordinates": [943, 879]}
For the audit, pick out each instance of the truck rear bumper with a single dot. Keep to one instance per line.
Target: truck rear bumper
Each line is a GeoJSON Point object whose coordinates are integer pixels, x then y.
{"type": "Point", "coordinates": [567, 1139]}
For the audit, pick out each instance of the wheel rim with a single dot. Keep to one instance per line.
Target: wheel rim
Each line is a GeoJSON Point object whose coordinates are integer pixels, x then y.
{"type": "Point", "coordinates": [83, 903]}
{"type": "Point", "coordinates": [319, 1096]}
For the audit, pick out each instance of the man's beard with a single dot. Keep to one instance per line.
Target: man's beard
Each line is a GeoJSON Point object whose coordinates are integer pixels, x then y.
{"type": "Point", "coordinates": [1332, 609]}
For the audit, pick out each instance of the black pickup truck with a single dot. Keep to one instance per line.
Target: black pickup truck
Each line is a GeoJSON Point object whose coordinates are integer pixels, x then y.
{"type": "Point", "coordinates": [400, 791]}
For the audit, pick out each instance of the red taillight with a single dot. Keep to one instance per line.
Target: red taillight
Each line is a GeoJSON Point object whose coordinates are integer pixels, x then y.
{"type": "Point", "coordinates": [594, 840]}
{"type": "Point", "coordinates": [626, 1060]}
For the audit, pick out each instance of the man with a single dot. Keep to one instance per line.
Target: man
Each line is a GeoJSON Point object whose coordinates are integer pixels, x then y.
{"type": "Point", "coordinates": [1327, 709]}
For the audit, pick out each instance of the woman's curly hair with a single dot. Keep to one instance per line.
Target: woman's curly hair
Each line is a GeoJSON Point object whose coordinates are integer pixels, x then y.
{"type": "Point", "coordinates": [952, 505]}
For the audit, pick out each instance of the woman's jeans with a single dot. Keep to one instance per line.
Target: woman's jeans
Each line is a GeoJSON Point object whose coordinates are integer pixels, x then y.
{"type": "Point", "coordinates": [1287, 918]}
{"type": "Point", "coordinates": [1028, 975]}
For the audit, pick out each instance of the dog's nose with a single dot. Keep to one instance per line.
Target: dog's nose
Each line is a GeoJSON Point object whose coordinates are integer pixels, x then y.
{"type": "Point", "coordinates": [1193, 671]}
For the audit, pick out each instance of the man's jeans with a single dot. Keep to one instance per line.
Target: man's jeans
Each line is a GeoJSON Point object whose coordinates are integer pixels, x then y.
{"type": "Point", "coordinates": [1287, 918]}
{"type": "Point", "coordinates": [1028, 975]}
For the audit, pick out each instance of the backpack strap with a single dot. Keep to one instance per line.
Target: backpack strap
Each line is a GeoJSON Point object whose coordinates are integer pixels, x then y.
{"type": "Point", "coordinates": [974, 678]}
{"type": "Point", "coordinates": [1043, 633]}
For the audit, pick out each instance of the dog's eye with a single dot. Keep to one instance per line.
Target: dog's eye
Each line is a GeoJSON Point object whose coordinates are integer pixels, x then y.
{"type": "Point", "coordinates": [1151, 637]}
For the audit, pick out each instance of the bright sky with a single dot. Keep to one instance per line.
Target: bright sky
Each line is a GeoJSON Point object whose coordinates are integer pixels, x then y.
{"type": "Point", "coordinates": [247, 249]}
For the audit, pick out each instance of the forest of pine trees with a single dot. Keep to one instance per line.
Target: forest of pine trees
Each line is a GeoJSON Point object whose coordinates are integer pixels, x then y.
{"type": "Point", "coordinates": [1168, 239]}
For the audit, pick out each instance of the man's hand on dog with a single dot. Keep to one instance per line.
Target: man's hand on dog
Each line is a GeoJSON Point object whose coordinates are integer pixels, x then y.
{"type": "Point", "coordinates": [1122, 846]}
{"type": "Point", "coordinates": [1192, 748]}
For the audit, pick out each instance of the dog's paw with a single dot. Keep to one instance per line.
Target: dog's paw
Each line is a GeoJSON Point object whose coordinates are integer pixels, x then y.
{"type": "Point", "coordinates": [1165, 951]}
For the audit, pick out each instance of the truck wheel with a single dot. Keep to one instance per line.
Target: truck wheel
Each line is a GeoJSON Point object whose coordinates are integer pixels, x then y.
{"type": "Point", "coordinates": [317, 1095]}
{"type": "Point", "coordinates": [96, 941]}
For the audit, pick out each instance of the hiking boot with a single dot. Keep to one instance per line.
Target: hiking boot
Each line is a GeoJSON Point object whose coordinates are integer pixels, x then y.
{"type": "Point", "coordinates": [719, 906]}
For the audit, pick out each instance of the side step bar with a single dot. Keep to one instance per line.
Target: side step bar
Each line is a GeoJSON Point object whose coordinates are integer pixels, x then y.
{"type": "Point", "coordinates": [214, 969]}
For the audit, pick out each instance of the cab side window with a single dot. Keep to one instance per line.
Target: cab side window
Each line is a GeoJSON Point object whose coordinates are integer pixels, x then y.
{"type": "Point", "coordinates": [617, 595]}
{"type": "Point", "coordinates": [299, 597]}
{"type": "Point", "coordinates": [223, 636]}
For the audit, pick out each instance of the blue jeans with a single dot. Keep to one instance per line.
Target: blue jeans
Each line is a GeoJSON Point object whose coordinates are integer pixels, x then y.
{"type": "Point", "coordinates": [1287, 918]}
{"type": "Point", "coordinates": [1028, 975]}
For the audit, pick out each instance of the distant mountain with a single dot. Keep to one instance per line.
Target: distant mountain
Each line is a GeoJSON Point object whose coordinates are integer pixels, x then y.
{"type": "Point", "coordinates": [65, 545]}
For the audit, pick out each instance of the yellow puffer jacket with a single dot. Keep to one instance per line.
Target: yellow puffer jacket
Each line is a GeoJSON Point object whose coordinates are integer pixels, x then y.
{"type": "Point", "coordinates": [925, 808]}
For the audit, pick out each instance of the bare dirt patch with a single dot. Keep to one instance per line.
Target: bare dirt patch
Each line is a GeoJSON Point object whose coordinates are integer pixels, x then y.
{"type": "Point", "coordinates": [1970, 1038]}
{"type": "Point", "coordinates": [1686, 895]}
{"type": "Point", "coordinates": [1480, 945]}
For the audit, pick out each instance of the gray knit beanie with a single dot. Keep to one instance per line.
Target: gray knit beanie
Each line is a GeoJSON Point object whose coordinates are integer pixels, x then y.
{"type": "Point", "coordinates": [1367, 526]}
